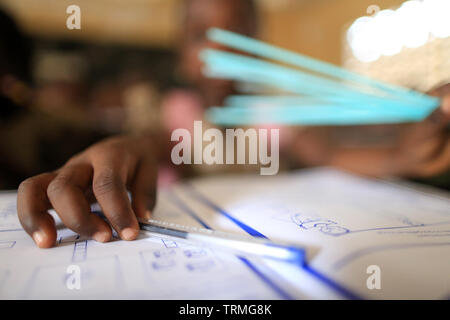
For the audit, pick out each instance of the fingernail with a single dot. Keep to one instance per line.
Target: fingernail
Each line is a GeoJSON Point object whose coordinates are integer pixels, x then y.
{"type": "Point", "coordinates": [39, 238]}
{"type": "Point", "coordinates": [102, 236]}
{"type": "Point", "coordinates": [148, 214]}
{"type": "Point", "coordinates": [129, 234]}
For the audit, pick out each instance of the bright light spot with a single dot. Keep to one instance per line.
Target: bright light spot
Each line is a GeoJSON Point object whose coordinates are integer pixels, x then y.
{"type": "Point", "coordinates": [413, 23]}
{"type": "Point", "coordinates": [362, 39]}
{"type": "Point", "coordinates": [389, 31]}
{"type": "Point", "coordinates": [438, 12]}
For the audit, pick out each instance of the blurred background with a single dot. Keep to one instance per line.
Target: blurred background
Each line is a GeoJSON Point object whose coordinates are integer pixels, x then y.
{"type": "Point", "coordinates": [77, 86]}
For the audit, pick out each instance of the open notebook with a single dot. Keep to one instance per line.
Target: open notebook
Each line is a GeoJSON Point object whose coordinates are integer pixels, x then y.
{"type": "Point", "coordinates": [347, 225]}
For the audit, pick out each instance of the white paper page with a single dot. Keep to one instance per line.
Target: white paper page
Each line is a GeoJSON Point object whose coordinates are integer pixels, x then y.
{"type": "Point", "coordinates": [348, 223]}
{"type": "Point", "coordinates": [156, 267]}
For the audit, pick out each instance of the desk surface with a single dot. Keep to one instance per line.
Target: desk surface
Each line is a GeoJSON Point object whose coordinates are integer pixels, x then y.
{"type": "Point", "coordinates": [352, 229]}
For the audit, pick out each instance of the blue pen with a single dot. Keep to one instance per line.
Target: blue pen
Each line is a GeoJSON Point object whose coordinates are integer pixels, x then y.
{"type": "Point", "coordinates": [232, 243]}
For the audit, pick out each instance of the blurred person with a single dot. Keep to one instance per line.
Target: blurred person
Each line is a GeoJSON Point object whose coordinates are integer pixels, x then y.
{"type": "Point", "coordinates": [30, 140]}
{"type": "Point", "coordinates": [59, 86]}
{"type": "Point", "coordinates": [106, 171]}
{"type": "Point", "coordinates": [128, 102]}
{"type": "Point", "coordinates": [194, 92]}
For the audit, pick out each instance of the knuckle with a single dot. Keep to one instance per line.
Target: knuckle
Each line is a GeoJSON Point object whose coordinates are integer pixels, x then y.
{"type": "Point", "coordinates": [58, 185]}
{"type": "Point", "coordinates": [27, 185]}
{"type": "Point", "coordinates": [112, 151]}
{"type": "Point", "coordinates": [76, 159]}
{"type": "Point", "coordinates": [106, 182]}
{"type": "Point", "coordinates": [107, 148]}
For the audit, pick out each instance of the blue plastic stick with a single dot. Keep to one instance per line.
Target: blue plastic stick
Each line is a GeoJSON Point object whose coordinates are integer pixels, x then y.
{"type": "Point", "coordinates": [253, 100]}
{"type": "Point", "coordinates": [302, 103]}
{"type": "Point", "coordinates": [260, 48]}
{"type": "Point", "coordinates": [224, 62]}
{"type": "Point", "coordinates": [227, 65]}
{"type": "Point", "coordinates": [317, 115]}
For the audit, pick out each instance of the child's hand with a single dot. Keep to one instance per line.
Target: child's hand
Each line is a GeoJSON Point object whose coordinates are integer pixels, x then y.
{"type": "Point", "coordinates": [102, 173]}
{"type": "Point", "coordinates": [419, 150]}
{"type": "Point", "coordinates": [424, 148]}
{"type": "Point", "coordinates": [409, 150]}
